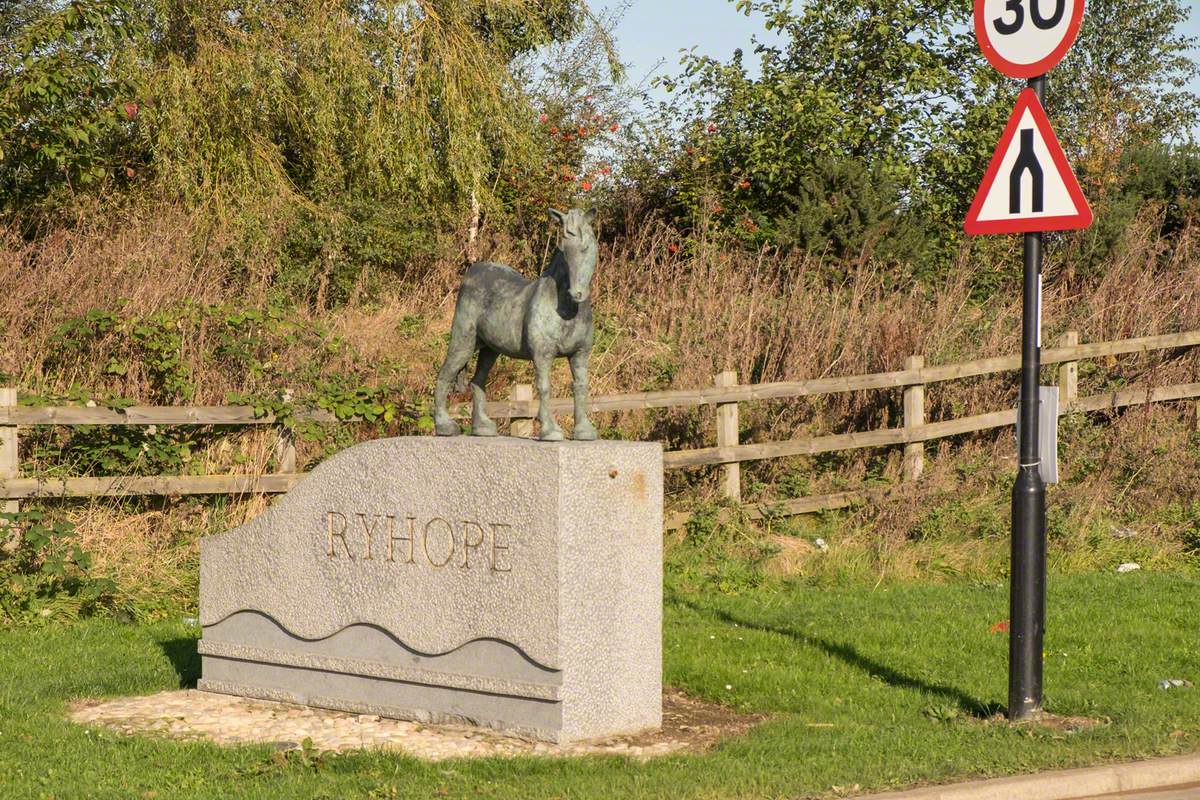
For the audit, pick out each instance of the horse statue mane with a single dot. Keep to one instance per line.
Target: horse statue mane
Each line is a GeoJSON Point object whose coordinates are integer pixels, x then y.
{"type": "Point", "coordinates": [499, 311]}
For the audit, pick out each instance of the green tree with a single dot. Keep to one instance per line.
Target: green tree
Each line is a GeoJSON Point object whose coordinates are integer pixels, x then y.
{"type": "Point", "coordinates": [1126, 82]}
{"type": "Point", "coordinates": [899, 91]}
{"type": "Point", "coordinates": [67, 96]}
{"type": "Point", "coordinates": [344, 135]}
{"type": "Point", "coordinates": [867, 85]}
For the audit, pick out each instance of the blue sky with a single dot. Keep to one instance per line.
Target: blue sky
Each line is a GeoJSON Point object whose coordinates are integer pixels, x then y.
{"type": "Point", "coordinates": [655, 30]}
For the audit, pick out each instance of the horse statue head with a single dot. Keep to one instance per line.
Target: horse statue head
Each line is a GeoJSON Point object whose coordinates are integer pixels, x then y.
{"type": "Point", "coordinates": [578, 248]}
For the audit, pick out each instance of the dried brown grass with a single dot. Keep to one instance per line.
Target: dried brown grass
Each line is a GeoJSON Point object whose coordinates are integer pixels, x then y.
{"type": "Point", "coordinates": [149, 260]}
{"type": "Point", "coordinates": [665, 319]}
{"type": "Point", "coordinates": [670, 313]}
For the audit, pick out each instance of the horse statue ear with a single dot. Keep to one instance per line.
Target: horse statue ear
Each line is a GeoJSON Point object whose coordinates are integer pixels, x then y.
{"type": "Point", "coordinates": [559, 216]}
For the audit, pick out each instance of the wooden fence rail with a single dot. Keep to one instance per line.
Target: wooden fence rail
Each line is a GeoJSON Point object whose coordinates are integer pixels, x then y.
{"type": "Point", "coordinates": [725, 394]}
{"type": "Point", "coordinates": [680, 459]}
{"type": "Point", "coordinates": [683, 398]}
{"type": "Point", "coordinates": [155, 485]}
{"type": "Point", "coordinates": [146, 415]}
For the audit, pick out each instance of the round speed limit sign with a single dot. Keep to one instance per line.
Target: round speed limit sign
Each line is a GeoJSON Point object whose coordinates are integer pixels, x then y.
{"type": "Point", "coordinates": [1026, 38]}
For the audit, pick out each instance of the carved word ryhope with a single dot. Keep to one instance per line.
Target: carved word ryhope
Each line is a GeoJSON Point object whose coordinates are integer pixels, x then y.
{"type": "Point", "coordinates": [438, 542]}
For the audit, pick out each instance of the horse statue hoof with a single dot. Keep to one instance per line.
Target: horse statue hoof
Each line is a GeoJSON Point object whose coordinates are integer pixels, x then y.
{"type": "Point", "coordinates": [447, 429]}
{"type": "Point", "coordinates": [584, 433]}
{"type": "Point", "coordinates": [483, 429]}
{"type": "Point", "coordinates": [552, 436]}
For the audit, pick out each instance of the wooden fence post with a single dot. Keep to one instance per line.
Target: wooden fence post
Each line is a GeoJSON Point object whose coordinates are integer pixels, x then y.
{"type": "Point", "coordinates": [1068, 373]}
{"type": "Point", "coordinates": [522, 424]}
{"type": "Point", "coordinates": [914, 417]}
{"type": "Point", "coordinates": [727, 435]}
{"type": "Point", "coordinates": [285, 452]}
{"type": "Point", "coordinates": [285, 445]}
{"type": "Point", "coordinates": [9, 465]}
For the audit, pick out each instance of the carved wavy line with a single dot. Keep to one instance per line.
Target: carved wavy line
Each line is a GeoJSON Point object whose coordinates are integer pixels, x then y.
{"type": "Point", "coordinates": [389, 635]}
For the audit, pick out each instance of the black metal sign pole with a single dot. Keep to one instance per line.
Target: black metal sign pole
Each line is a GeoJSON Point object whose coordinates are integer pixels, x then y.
{"type": "Point", "coordinates": [1027, 594]}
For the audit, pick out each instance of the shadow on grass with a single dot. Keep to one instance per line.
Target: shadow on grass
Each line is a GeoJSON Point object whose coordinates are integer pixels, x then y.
{"type": "Point", "coordinates": [184, 658]}
{"type": "Point", "coordinates": [850, 655]}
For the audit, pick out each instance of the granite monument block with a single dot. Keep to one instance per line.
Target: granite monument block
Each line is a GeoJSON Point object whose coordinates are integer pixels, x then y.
{"type": "Point", "coordinates": [500, 582]}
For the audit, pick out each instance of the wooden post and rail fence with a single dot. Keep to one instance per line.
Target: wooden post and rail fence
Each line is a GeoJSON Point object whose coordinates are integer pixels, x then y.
{"type": "Point", "coordinates": [725, 395]}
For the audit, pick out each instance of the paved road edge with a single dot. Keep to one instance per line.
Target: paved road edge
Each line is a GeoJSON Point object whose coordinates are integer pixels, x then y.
{"type": "Point", "coordinates": [1068, 784]}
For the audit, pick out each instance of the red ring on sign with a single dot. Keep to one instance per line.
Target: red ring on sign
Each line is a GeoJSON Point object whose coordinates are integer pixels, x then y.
{"type": "Point", "coordinates": [1015, 70]}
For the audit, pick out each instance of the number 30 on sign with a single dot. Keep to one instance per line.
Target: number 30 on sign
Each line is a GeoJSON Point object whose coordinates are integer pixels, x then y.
{"type": "Point", "coordinates": [1026, 38]}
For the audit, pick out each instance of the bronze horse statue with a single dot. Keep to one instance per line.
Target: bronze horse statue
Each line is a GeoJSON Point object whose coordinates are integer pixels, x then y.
{"type": "Point", "coordinates": [499, 311]}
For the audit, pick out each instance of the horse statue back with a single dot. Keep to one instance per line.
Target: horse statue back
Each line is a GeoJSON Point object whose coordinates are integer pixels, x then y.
{"type": "Point", "coordinates": [499, 311]}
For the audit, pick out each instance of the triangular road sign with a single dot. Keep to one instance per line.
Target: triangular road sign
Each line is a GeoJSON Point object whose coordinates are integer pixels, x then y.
{"type": "Point", "coordinates": [1029, 186]}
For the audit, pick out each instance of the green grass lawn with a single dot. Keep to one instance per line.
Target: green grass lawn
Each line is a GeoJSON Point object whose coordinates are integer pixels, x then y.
{"type": "Point", "coordinates": [883, 688]}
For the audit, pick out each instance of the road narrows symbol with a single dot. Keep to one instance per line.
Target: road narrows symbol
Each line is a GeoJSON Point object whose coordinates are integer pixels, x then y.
{"type": "Point", "coordinates": [1026, 160]}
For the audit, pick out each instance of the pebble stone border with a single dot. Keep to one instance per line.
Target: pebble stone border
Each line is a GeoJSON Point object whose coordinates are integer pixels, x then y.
{"type": "Point", "coordinates": [228, 720]}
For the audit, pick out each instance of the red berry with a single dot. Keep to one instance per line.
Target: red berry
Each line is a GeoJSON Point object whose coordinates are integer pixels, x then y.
{"type": "Point", "coordinates": [614, 127]}
{"type": "Point", "coordinates": [586, 186]}
{"type": "Point", "coordinates": [131, 109]}
{"type": "Point", "coordinates": [672, 248]}
{"type": "Point", "coordinates": [554, 130]}
{"type": "Point", "coordinates": [129, 173]}
{"type": "Point", "coordinates": [542, 118]}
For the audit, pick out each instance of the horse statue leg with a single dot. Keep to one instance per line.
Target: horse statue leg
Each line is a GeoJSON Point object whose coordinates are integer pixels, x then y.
{"type": "Point", "coordinates": [481, 424]}
{"type": "Point", "coordinates": [584, 430]}
{"type": "Point", "coordinates": [462, 345]}
{"type": "Point", "coordinates": [550, 430]}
